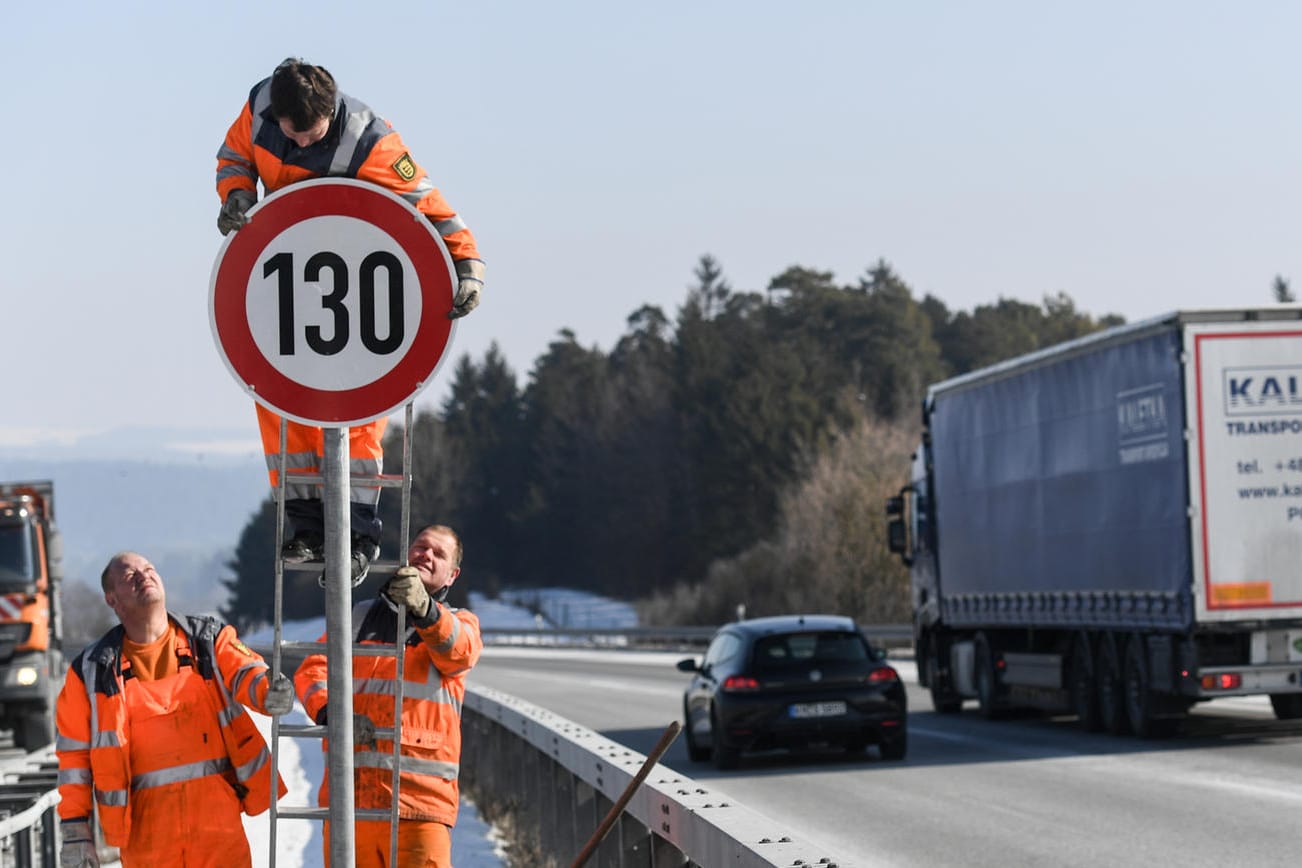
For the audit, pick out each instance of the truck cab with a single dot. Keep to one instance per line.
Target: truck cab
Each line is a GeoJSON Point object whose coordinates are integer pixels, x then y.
{"type": "Point", "coordinates": [30, 577]}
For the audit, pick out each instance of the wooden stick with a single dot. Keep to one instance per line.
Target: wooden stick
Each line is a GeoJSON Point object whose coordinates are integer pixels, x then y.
{"type": "Point", "coordinates": [666, 739]}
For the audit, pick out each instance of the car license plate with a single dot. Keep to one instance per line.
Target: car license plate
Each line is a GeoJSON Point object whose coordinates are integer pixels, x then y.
{"type": "Point", "coordinates": [817, 709]}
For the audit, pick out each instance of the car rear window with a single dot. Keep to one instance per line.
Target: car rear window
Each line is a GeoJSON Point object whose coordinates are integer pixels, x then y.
{"type": "Point", "coordinates": [803, 649]}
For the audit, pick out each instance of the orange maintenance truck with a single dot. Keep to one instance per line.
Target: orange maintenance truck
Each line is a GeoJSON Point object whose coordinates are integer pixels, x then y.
{"type": "Point", "coordinates": [31, 577]}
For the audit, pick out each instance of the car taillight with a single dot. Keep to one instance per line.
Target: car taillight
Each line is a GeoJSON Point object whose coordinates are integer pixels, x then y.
{"type": "Point", "coordinates": [740, 682]}
{"type": "Point", "coordinates": [1222, 681]}
{"type": "Point", "coordinates": [883, 675]}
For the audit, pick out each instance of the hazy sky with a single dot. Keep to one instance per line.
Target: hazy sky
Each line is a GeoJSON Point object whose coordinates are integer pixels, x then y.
{"type": "Point", "coordinates": [1142, 157]}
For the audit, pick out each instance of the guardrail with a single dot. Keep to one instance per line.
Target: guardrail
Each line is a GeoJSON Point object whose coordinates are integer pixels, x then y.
{"type": "Point", "coordinates": [28, 823]}
{"type": "Point", "coordinates": [662, 638]}
{"type": "Point", "coordinates": [556, 781]}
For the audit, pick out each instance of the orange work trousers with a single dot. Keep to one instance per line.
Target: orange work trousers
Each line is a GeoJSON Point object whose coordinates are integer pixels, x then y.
{"type": "Point", "coordinates": [305, 449]}
{"type": "Point", "coordinates": [421, 844]}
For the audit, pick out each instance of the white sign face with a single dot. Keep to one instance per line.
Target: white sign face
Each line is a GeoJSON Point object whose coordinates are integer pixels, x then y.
{"type": "Point", "coordinates": [1249, 438]}
{"type": "Point", "coordinates": [329, 307]}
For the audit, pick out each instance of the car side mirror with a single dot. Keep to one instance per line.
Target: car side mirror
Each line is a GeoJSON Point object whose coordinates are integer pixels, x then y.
{"type": "Point", "coordinates": [688, 664]}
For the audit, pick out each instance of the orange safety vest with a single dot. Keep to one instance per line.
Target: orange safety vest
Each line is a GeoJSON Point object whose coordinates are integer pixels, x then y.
{"type": "Point", "coordinates": [95, 729]}
{"type": "Point", "coordinates": [359, 144]}
{"type": "Point", "coordinates": [436, 659]}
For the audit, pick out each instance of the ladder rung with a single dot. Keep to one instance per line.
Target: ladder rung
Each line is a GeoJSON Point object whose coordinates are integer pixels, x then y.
{"type": "Point", "coordinates": [300, 730]}
{"type": "Point", "coordinates": [320, 648]}
{"type": "Point", "coordinates": [384, 480]}
{"type": "Point", "coordinates": [380, 568]}
{"type": "Point", "coordinates": [304, 813]}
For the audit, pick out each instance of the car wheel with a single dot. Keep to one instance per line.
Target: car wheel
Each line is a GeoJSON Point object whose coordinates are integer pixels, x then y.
{"type": "Point", "coordinates": [725, 755]}
{"type": "Point", "coordinates": [695, 752]}
{"type": "Point", "coordinates": [896, 747]}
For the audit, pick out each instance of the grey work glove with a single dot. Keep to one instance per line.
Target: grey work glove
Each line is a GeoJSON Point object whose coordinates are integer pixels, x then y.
{"type": "Point", "coordinates": [363, 727]}
{"type": "Point", "coordinates": [470, 285]}
{"type": "Point", "coordinates": [406, 589]}
{"type": "Point", "coordinates": [280, 695]}
{"type": "Point", "coordinates": [78, 850]}
{"type": "Point", "coordinates": [232, 214]}
{"type": "Point", "coordinates": [363, 730]}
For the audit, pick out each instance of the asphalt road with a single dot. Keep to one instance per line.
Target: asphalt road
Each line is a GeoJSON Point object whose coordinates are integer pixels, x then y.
{"type": "Point", "coordinates": [1030, 791]}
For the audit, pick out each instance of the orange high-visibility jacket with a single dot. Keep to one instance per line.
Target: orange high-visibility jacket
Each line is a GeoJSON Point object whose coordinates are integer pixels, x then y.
{"type": "Point", "coordinates": [360, 144]}
{"type": "Point", "coordinates": [439, 653]}
{"type": "Point", "coordinates": [95, 722]}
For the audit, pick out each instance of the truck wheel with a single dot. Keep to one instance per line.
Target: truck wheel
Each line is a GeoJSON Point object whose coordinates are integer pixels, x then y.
{"type": "Point", "coordinates": [987, 683]}
{"type": "Point", "coordinates": [1107, 674]}
{"type": "Point", "coordinates": [1137, 686]}
{"type": "Point", "coordinates": [1084, 697]}
{"type": "Point", "coordinates": [1287, 706]}
{"type": "Point", "coordinates": [943, 697]}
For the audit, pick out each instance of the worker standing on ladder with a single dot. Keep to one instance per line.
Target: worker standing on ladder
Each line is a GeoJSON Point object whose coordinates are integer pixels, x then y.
{"type": "Point", "coordinates": [295, 126]}
{"type": "Point", "coordinates": [441, 647]}
{"type": "Point", "coordinates": [153, 734]}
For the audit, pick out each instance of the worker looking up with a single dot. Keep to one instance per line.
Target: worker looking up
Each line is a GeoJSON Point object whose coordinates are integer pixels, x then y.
{"type": "Point", "coordinates": [295, 126]}
{"type": "Point", "coordinates": [152, 733]}
{"type": "Point", "coordinates": [441, 646]}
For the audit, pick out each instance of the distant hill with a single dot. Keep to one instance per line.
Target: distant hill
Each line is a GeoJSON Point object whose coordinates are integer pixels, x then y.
{"type": "Point", "coordinates": [183, 510]}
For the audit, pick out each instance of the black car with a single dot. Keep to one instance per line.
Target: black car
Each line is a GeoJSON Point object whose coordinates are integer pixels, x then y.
{"type": "Point", "coordinates": [793, 681]}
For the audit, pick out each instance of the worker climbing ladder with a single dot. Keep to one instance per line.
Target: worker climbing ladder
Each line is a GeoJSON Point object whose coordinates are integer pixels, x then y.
{"type": "Point", "coordinates": [340, 645]}
{"type": "Point", "coordinates": [330, 307]}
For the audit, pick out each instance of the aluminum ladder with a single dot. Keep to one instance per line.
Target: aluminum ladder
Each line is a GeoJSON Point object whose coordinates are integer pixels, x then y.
{"type": "Point", "coordinates": [339, 723]}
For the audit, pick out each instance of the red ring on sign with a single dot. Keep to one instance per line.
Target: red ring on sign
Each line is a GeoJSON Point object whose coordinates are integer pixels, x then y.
{"type": "Point", "coordinates": [327, 197]}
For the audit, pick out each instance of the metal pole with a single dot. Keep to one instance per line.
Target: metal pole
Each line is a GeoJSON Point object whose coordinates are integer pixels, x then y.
{"type": "Point", "coordinates": [339, 645]}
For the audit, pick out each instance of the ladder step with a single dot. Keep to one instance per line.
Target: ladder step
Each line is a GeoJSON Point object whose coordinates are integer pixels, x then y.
{"type": "Point", "coordinates": [379, 568]}
{"type": "Point", "coordinates": [305, 813]}
{"type": "Point", "coordinates": [320, 647]}
{"type": "Point", "coordinates": [301, 730]}
{"type": "Point", "coordinates": [313, 477]}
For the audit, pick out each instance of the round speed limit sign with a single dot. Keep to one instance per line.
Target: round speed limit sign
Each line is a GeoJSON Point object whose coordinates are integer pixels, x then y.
{"type": "Point", "coordinates": [330, 305]}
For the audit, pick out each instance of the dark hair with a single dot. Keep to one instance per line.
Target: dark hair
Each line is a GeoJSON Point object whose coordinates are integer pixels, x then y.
{"type": "Point", "coordinates": [303, 93]}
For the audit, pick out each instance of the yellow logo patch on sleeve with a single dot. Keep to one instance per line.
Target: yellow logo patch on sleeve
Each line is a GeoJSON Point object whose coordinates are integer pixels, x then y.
{"type": "Point", "coordinates": [405, 167]}
{"type": "Point", "coordinates": [240, 646]}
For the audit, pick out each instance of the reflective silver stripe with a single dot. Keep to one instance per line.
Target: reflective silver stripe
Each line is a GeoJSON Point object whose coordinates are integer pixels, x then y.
{"type": "Point", "coordinates": [229, 714]}
{"type": "Point", "coordinates": [364, 467]}
{"type": "Point", "coordinates": [297, 461]}
{"type": "Point", "coordinates": [452, 637]}
{"type": "Point", "coordinates": [260, 101]}
{"type": "Point", "coordinates": [258, 671]}
{"type": "Point", "coordinates": [349, 141]}
{"type": "Point", "coordinates": [422, 189]}
{"type": "Point", "coordinates": [409, 765]}
{"type": "Point", "coordinates": [449, 226]}
{"type": "Point", "coordinates": [235, 172]}
{"type": "Point", "coordinates": [75, 776]}
{"type": "Point", "coordinates": [411, 690]}
{"type": "Point", "coordinates": [181, 773]}
{"type": "Point", "coordinates": [313, 689]}
{"type": "Point", "coordinates": [107, 738]}
{"type": "Point", "coordinates": [111, 798]}
{"type": "Point", "coordinates": [89, 669]}
{"type": "Point", "coordinates": [250, 768]}
{"type": "Point", "coordinates": [225, 153]}
{"type": "Point", "coordinates": [64, 744]}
